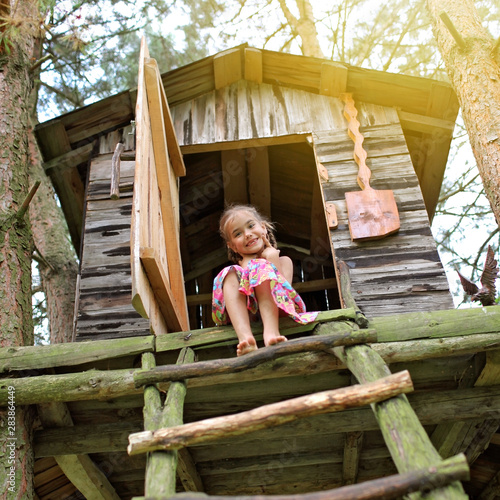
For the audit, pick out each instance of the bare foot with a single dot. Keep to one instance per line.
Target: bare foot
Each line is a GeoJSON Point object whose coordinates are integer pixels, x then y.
{"type": "Point", "coordinates": [275, 340]}
{"type": "Point", "coordinates": [246, 346]}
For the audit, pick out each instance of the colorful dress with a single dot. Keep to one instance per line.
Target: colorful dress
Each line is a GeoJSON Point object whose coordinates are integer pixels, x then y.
{"type": "Point", "coordinates": [257, 272]}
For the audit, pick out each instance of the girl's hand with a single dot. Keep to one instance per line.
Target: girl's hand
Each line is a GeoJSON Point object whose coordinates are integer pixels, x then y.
{"type": "Point", "coordinates": [269, 252]}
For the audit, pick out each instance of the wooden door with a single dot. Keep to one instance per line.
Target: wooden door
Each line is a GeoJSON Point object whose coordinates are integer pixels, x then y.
{"type": "Point", "coordinates": [157, 278]}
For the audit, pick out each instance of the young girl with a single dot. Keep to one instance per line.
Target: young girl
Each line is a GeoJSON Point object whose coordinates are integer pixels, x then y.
{"type": "Point", "coordinates": [259, 280]}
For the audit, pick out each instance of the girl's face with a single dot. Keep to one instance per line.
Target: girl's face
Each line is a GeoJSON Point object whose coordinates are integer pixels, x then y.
{"type": "Point", "coordinates": [245, 234]}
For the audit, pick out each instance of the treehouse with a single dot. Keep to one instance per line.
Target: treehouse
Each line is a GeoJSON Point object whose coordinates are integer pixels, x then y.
{"type": "Point", "coordinates": [143, 177]}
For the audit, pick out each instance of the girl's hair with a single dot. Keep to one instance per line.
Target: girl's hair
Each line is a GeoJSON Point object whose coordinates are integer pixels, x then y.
{"type": "Point", "coordinates": [229, 213]}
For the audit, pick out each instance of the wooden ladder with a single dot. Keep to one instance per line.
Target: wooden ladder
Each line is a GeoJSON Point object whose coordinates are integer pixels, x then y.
{"type": "Point", "coordinates": [418, 463]}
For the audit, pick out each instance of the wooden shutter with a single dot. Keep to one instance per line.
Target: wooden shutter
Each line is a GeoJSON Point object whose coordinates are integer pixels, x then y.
{"type": "Point", "coordinates": [157, 278]}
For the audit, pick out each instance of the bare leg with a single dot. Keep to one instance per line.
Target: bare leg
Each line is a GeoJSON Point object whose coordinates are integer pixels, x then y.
{"type": "Point", "coordinates": [237, 309]}
{"type": "Point", "coordinates": [269, 313]}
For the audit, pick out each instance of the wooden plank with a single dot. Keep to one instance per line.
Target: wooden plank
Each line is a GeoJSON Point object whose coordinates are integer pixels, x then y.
{"type": "Point", "coordinates": [161, 289]}
{"type": "Point", "coordinates": [333, 80]}
{"type": "Point", "coordinates": [174, 152]}
{"type": "Point", "coordinates": [259, 180]}
{"type": "Point", "coordinates": [403, 433]}
{"type": "Point", "coordinates": [430, 407]}
{"type": "Point", "coordinates": [167, 187]}
{"type": "Point", "coordinates": [145, 212]}
{"type": "Point", "coordinates": [67, 182]}
{"type": "Point", "coordinates": [162, 468]}
{"type": "Point", "coordinates": [352, 451]}
{"type": "Point", "coordinates": [234, 175]}
{"type": "Point", "coordinates": [69, 159]}
{"type": "Point", "coordinates": [253, 65]}
{"type": "Point", "coordinates": [458, 435]}
{"type": "Point", "coordinates": [227, 68]}
{"type": "Point", "coordinates": [269, 415]}
{"type": "Point", "coordinates": [46, 356]}
{"type": "Point", "coordinates": [79, 469]}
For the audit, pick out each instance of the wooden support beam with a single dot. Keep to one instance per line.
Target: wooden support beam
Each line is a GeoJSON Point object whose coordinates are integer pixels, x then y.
{"type": "Point", "coordinates": [352, 451]}
{"type": "Point", "coordinates": [259, 179]}
{"type": "Point", "coordinates": [406, 439]}
{"type": "Point", "coordinates": [492, 489]}
{"type": "Point", "coordinates": [434, 324]}
{"type": "Point", "coordinates": [391, 487]}
{"type": "Point", "coordinates": [333, 80]}
{"type": "Point", "coordinates": [79, 469]}
{"type": "Point", "coordinates": [430, 407]}
{"type": "Point", "coordinates": [64, 174]}
{"type": "Point", "coordinates": [87, 477]}
{"type": "Point", "coordinates": [50, 356]}
{"type": "Point", "coordinates": [110, 384]}
{"type": "Point", "coordinates": [227, 68]}
{"type": "Point", "coordinates": [161, 290]}
{"type": "Point", "coordinates": [470, 437]}
{"type": "Point", "coordinates": [162, 467]}
{"type": "Point", "coordinates": [270, 415]}
{"type": "Point", "coordinates": [347, 298]}
{"type": "Point", "coordinates": [234, 176]}
{"type": "Point", "coordinates": [253, 65]}
{"type": "Point", "coordinates": [68, 160]}
{"type": "Point", "coordinates": [255, 358]}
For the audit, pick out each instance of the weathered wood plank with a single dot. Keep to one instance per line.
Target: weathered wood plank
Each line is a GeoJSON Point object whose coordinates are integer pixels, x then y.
{"type": "Point", "coordinates": [352, 451]}
{"type": "Point", "coordinates": [404, 435]}
{"type": "Point", "coordinates": [79, 469]}
{"type": "Point", "coordinates": [392, 487]}
{"type": "Point", "coordinates": [176, 322]}
{"type": "Point", "coordinates": [269, 415]}
{"type": "Point", "coordinates": [430, 407]}
{"type": "Point", "coordinates": [37, 357]}
{"type": "Point", "coordinates": [161, 467]}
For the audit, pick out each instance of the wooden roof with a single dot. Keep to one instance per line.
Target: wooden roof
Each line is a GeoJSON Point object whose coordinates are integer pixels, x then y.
{"type": "Point", "coordinates": [427, 110]}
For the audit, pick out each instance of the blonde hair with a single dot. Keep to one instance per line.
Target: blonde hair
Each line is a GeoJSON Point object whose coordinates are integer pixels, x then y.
{"type": "Point", "coordinates": [229, 212]}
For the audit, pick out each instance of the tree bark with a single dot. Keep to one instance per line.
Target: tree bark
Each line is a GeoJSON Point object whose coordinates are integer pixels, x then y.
{"type": "Point", "coordinates": [56, 256]}
{"type": "Point", "coordinates": [16, 468]}
{"type": "Point", "coordinates": [304, 27]}
{"type": "Point", "coordinates": [473, 65]}
{"type": "Point", "coordinates": [57, 259]}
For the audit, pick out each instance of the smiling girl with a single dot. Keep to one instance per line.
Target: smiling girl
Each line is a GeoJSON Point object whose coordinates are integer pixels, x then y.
{"type": "Point", "coordinates": [259, 280]}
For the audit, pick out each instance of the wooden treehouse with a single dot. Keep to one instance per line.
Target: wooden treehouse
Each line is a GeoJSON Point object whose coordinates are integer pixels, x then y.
{"type": "Point", "coordinates": [142, 177]}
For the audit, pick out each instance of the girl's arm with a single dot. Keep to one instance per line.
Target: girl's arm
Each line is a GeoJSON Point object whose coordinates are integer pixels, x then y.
{"type": "Point", "coordinates": [283, 264]}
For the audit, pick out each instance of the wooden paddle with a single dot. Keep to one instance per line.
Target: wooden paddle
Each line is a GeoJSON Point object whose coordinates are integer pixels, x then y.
{"type": "Point", "coordinates": [372, 214]}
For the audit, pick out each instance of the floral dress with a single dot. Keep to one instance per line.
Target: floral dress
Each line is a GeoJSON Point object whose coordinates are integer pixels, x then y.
{"type": "Point", "coordinates": [257, 272]}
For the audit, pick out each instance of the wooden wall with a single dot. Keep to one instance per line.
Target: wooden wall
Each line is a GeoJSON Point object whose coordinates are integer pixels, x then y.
{"type": "Point", "coordinates": [402, 272]}
{"type": "Point", "coordinates": [105, 287]}
{"type": "Point", "coordinates": [398, 274]}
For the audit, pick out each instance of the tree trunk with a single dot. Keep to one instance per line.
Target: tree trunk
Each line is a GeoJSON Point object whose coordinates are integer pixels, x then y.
{"type": "Point", "coordinates": [473, 65]}
{"type": "Point", "coordinates": [304, 27]}
{"type": "Point", "coordinates": [16, 469]}
{"type": "Point", "coordinates": [56, 256]}
{"type": "Point", "coordinates": [57, 259]}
